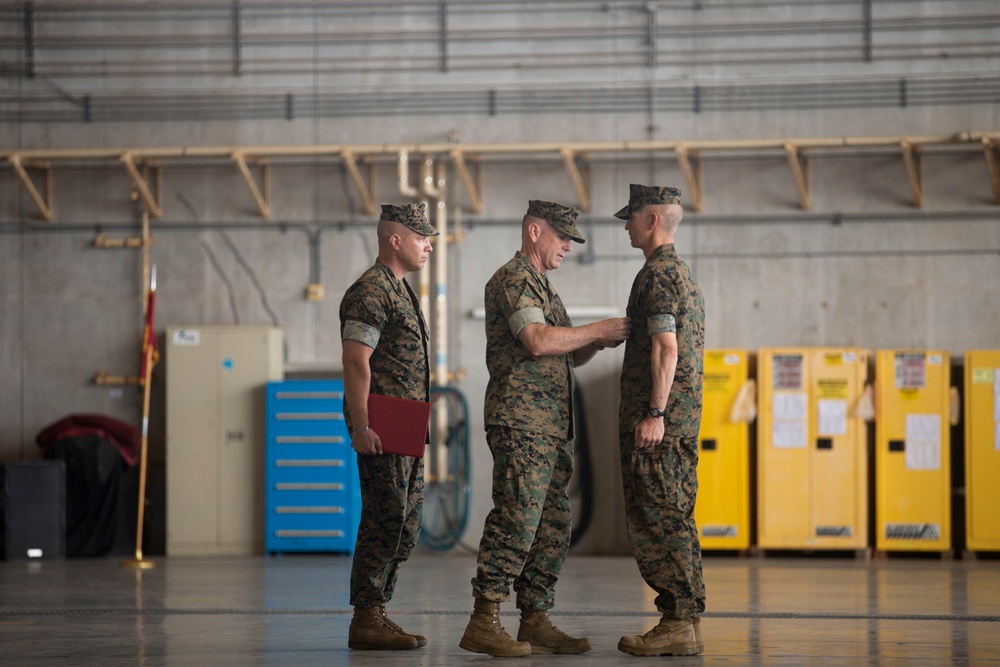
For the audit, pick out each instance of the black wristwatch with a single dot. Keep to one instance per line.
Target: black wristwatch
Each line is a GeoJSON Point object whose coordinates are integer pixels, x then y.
{"type": "Point", "coordinates": [656, 412]}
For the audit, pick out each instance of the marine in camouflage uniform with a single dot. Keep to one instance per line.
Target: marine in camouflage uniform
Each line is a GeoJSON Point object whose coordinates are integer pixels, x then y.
{"type": "Point", "coordinates": [660, 481]}
{"type": "Point", "coordinates": [382, 313]}
{"type": "Point", "coordinates": [529, 430]}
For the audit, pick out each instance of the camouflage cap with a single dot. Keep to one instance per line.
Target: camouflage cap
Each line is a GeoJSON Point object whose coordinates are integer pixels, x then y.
{"type": "Point", "coordinates": [562, 218]}
{"type": "Point", "coordinates": [413, 216]}
{"type": "Point", "coordinates": [644, 195]}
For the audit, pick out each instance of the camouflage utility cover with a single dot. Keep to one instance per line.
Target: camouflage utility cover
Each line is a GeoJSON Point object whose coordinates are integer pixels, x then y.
{"type": "Point", "coordinates": [562, 218]}
{"type": "Point", "coordinates": [413, 216]}
{"type": "Point", "coordinates": [646, 195]}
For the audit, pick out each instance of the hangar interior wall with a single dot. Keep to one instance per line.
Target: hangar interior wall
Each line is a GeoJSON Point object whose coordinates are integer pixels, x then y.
{"type": "Point", "coordinates": [862, 266]}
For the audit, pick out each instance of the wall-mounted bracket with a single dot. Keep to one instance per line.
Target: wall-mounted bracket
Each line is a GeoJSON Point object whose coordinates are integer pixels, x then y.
{"type": "Point", "coordinates": [366, 190]}
{"type": "Point", "coordinates": [991, 149]}
{"type": "Point", "coordinates": [914, 171]}
{"type": "Point", "coordinates": [690, 163]}
{"type": "Point", "coordinates": [140, 184]}
{"type": "Point", "coordinates": [105, 241]}
{"type": "Point", "coordinates": [580, 177]}
{"type": "Point", "coordinates": [43, 202]}
{"type": "Point", "coordinates": [104, 378]}
{"type": "Point", "coordinates": [262, 194]}
{"type": "Point", "coordinates": [798, 160]}
{"type": "Point", "coordinates": [473, 186]}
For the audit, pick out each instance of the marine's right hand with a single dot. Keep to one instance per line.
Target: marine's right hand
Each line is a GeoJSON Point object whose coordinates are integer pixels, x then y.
{"type": "Point", "coordinates": [366, 442]}
{"type": "Point", "coordinates": [616, 328]}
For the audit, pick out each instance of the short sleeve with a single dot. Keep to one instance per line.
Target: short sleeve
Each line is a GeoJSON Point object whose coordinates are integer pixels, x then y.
{"type": "Point", "coordinates": [361, 332]}
{"type": "Point", "coordinates": [524, 317]}
{"type": "Point", "coordinates": [662, 316]}
{"type": "Point", "coordinates": [523, 305]}
{"type": "Point", "coordinates": [364, 314]}
{"type": "Point", "coordinates": [661, 324]}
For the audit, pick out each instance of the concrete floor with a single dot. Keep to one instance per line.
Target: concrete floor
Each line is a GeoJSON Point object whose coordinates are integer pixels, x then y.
{"type": "Point", "coordinates": [293, 610]}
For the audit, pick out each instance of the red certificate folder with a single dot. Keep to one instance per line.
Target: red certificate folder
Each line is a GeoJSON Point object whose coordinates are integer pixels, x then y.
{"type": "Point", "coordinates": [401, 424]}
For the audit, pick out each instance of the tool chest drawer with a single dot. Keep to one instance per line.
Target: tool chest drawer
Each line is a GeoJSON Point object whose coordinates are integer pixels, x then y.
{"type": "Point", "coordinates": [313, 500]}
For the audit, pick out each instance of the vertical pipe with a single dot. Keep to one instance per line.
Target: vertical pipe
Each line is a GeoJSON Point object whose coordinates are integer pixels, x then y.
{"type": "Point", "coordinates": [237, 40]}
{"type": "Point", "coordinates": [432, 184]}
{"type": "Point", "coordinates": [423, 191]}
{"type": "Point", "coordinates": [440, 278]}
{"type": "Point", "coordinates": [867, 37]}
{"type": "Point", "coordinates": [427, 189]}
{"type": "Point", "coordinates": [441, 323]}
{"type": "Point", "coordinates": [403, 169]}
{"type": "Point", "coordinates": [443, 15]}
{"type": "Point", "coordinates": [423, 289]}
{"type": "Point", "coordinates": [29, 40]}
{"type": "Point", "coordinates": [651, 12]}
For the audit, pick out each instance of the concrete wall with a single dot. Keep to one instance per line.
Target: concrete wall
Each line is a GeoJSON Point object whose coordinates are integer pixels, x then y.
{"type": "Point", "coordinates": [862, 267]}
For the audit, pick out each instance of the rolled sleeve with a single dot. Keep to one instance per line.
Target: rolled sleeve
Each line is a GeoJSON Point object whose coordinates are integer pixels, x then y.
{"type": "Point", "coordinates": [657, 324]}
{"type": "Point", "coordinates": [361, 332]}
{"type": "Point", "coordinates": [524, 317]}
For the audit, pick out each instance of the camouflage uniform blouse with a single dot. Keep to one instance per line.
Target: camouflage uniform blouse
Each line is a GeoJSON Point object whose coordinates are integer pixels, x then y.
{"type": "Point", "coordinates": [381, 311]}
{"type": "Point", "coordinates": [525, 392]}
{"type": "Point", "coordinates": [664, 298]}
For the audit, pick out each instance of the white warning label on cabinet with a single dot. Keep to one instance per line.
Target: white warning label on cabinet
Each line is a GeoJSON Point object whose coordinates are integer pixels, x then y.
{"type": "Point", "coordinates": [186, 337]}
{"type": "Point", "coordinates": [923, 442]}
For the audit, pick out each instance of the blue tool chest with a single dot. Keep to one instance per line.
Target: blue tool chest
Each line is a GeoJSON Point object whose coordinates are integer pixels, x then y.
{"type": "Point", "coordinates": [313, 499]}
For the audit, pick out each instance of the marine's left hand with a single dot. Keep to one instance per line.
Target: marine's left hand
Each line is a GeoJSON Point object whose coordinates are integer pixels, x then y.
{"type": "Point", "coordinates": [649, 432]}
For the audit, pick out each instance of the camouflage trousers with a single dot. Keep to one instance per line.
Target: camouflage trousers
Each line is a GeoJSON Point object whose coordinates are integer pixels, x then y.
{"type": "Point", "coordinates": [660, 486]}
{"type": "Point", "coordinates": [392, 501]}
{"type": "Point", "coordinates": [527, 533]}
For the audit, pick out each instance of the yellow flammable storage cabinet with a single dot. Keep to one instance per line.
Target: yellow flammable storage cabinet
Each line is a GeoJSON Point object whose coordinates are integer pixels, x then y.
{"type": "Point", "coordinates": [912, 451]}
{"type": "Point", "coordinates": [722, 510]}
{"type": "Point", "coordinates": [812, 449]}
{"type": "Point", "coordinates": [982, 450]}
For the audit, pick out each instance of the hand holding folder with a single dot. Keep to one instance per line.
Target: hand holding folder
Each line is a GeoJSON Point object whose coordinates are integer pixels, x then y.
{"type": "Point", "coordinates": [401, 424]}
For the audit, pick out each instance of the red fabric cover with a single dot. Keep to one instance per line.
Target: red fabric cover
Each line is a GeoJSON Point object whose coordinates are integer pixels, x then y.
{"type": "Point", "coordinates": [127, 438]}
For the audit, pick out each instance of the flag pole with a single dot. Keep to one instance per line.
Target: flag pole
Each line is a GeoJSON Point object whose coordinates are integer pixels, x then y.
{"type": "Point", "coordinates": [137, 562]}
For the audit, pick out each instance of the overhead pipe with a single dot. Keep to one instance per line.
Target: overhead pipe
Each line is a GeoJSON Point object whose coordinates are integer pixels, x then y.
{"type": "Point", "coordinates": [402, 150]}
{"type": "Point", "coordinates": [800, 146]}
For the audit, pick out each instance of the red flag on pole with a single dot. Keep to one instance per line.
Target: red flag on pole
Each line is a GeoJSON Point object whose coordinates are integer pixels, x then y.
{"type": "Point", "coordinates": [150, 349]}
{"type": "Point", "coordinates": [150, 355]}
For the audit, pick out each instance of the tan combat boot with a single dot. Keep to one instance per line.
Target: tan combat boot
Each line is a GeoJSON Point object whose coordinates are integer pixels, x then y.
{"type": "Point", "coordinates": [669, 637]}
{"type": "Point", "coordinates": [369, 631]}
{"type": "Point", "coordinates": [421, 640]}
{"type": "Point", "coordinates": [537, 629]}
{"type": "Point", "coordinates": [484, 634]}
